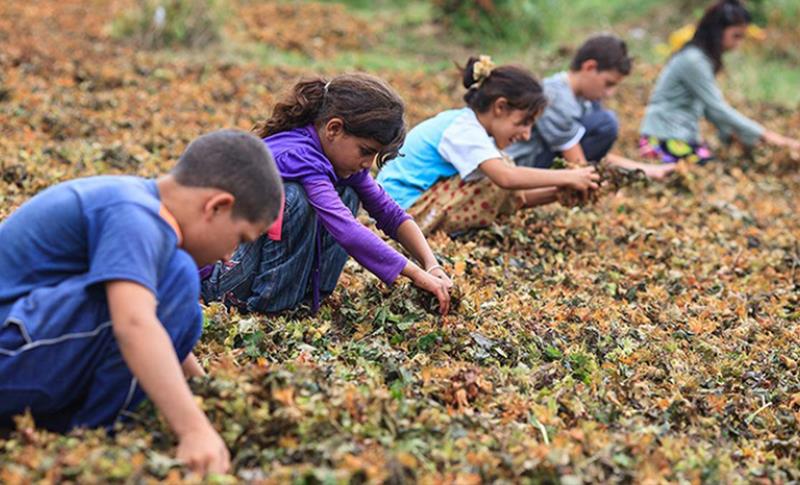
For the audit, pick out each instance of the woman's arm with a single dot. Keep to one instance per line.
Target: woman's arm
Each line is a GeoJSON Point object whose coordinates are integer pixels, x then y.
{"type": "Point", "coordinates": [781, 141]}
{"type": "Point", "coordinates": [698, 76]}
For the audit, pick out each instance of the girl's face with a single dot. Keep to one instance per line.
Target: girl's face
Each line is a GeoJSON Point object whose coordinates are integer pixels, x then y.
{"type": "Point", "coordinates": [733, 36]}
{"type": "Point", "coordinates": [508, 125]}
{"type": "Point", "coordinates": [347, 153]}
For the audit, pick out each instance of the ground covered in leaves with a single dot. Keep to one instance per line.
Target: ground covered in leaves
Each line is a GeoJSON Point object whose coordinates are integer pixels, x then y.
{"type": "Point", "coordinates": [651, 336]}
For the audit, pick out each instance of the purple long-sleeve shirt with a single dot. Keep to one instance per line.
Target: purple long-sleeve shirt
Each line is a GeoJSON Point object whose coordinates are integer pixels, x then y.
{"type": "Point", "coordinates": [299, 157]}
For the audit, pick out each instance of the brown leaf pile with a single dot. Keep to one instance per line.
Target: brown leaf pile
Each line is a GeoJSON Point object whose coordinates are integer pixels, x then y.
{"type": "Point", "coordinates": [649, 337]}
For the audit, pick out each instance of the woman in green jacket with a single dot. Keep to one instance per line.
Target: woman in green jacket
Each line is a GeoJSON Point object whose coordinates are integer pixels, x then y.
{"type": "Point", "coordinates": [687, 90]}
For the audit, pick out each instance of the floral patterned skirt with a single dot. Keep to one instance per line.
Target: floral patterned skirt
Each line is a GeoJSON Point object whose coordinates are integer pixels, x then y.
{"type": "Point", "coordinates": [672, 151]}
{"type": "Point", "coordinates": [452, 205]}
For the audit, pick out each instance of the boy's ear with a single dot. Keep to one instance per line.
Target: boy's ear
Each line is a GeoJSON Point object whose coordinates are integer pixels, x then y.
{"type": "Point", "coordinates": [589, 65]}
{"type": "Point", "coordinates": [334, 127]}
{"type": "Point", "coordinates": [218, 203]}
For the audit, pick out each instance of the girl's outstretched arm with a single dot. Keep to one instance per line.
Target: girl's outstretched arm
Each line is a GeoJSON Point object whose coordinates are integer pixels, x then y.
{"type": "Point", "coordinates": [511, 177]}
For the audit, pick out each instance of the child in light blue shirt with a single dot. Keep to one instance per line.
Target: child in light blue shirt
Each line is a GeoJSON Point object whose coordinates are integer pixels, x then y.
{"type": "Point", "coordinates": [452, 175]}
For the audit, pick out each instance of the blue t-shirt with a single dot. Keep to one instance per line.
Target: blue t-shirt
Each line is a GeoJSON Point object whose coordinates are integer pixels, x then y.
{"type": "Point", "coordinates": [57, 248]}
{"type": "Point", "coordinates": [452, 142]}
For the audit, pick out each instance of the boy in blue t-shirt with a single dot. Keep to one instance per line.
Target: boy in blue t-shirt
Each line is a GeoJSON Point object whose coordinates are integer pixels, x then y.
{"type": "Point", "coordinates": [575, 125]}
{"type": "Point", "coordinates": [99, 289]}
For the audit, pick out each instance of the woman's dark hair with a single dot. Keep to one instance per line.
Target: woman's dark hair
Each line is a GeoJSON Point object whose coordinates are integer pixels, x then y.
{"type": "Point", "coordinates": [368, 107]}
{"type": "Point", "coordinates": [710, 29]}
{"type": "Point", "coordinates": [516, 84]}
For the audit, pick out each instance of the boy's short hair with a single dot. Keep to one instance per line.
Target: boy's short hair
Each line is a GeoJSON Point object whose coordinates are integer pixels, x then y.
{"type": "Point", "coordinates": [610, 52]}
{"type": "Point", "coordinates": [238, 163]}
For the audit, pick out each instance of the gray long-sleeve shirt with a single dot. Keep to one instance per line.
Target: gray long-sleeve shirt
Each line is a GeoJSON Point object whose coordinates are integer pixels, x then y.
{"type": "Point", "coordinates": [687, 90]}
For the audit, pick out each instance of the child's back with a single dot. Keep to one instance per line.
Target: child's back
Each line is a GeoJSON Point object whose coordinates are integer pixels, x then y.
{"type": "Point", "coordinates": [76, 229]}
{"type": "Point", "coordinates": [437, 148]}
{"type": "Point", "coordinates": [99, 290]}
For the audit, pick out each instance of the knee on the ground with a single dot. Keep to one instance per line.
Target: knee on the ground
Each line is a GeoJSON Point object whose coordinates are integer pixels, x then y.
{"type": "Point", "coordinates": [178, 296]}
{"type": "Point", "coordinates": [297, 206]}
{"type": "Point", "coordinates": [608, 125]}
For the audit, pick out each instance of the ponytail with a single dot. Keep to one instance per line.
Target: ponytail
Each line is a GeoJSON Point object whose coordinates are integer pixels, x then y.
{"type": "Point", "coordinates": [300, 108]}
{"type": "Point", "coordinates": [368, 107]}
{"type": "Point", "coordinates": [485, 83]}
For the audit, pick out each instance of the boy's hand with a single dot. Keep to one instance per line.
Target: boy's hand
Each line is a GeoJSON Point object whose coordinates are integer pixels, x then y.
{"type": "Point", "coordinates": [203, 451]}
{"type": "Point", "coordinates": [150, 355]}
{"type": "Point", "coordinates": [191, 367]}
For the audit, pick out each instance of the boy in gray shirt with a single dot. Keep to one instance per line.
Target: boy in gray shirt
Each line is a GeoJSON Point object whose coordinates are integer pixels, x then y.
{"type": "Point", "coordinates": [575, 125]}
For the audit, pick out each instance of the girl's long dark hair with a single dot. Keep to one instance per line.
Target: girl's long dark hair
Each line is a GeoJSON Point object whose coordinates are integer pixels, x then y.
{"type": "Point", "coordinates": [516, 84]}
{"type": "Point", "coordinates": [367, 106]}
{"type": "Point", "coordinates": [710, 29]}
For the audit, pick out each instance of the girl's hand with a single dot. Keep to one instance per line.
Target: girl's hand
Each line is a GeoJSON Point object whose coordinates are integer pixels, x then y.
{"type": "Point", "coordinates": [440, 287]}
{"type": "Point", "coordinates": [438, 272]}
{"type": "Point", "coordinates": [582, 179]}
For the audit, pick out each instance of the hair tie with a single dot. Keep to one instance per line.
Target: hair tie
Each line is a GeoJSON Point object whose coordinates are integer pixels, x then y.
{"type": "Point", "coordinates": [482, 69]}
{"type": "Point", "coordinates": [325, 88]}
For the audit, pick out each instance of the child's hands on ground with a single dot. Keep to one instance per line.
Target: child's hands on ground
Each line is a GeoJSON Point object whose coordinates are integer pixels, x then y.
{"type": "Point", "coordinates": [439, 273]}
{"type": "Point", "coordinates": [658, 171]}
{"type": "Point", "coordinates": [203, 451]}
{"type": "Point", "coordinates": [440, 287]}
{"type": "Point", "coordinates": [582, 179]}
{"type": "Point", "coordinates": [781, 141]}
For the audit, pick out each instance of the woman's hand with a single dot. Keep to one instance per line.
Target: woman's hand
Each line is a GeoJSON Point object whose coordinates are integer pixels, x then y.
{"type": "Point", "coordinates": [781, 141]}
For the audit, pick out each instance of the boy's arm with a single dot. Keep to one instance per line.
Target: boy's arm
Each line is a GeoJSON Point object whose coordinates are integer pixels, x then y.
{"type": "Point", "coordinates": [148, 352]}
{"type": "Point", "coordinates": [191, 367]}
{"type": "Point", "coordinates": [575, 155]}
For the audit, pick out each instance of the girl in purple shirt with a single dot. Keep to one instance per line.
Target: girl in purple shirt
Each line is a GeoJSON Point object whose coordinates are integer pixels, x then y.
{"type": "Point", "coordinates": [325, 137]}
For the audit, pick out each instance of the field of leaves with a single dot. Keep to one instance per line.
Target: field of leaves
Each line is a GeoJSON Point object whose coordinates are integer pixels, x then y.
{"type": "Point", "coordinates": [650, 337]}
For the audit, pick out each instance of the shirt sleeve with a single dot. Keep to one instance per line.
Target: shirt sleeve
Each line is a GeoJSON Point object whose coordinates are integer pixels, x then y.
{"type": "Point", "coordinates": [466, 146]}
{"type": "Point", "coordinates": [387, 213]}
{"type": "Point", "coordinates": [128, 242]}
{"type": "Point", "coordinates": [699, 79]}
{"type": "Point", "coordinates": [358, 241]}
{"type": "Point", "coordinates": [558, 128]}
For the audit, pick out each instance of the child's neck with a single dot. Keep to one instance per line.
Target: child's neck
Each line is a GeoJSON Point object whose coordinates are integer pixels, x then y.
{"type": "Point", "coordinates": [485, 119]}
{"type": "Point", "coordinates": [574, 80]}
{"type": "Point", "coordinates": [176, 198]}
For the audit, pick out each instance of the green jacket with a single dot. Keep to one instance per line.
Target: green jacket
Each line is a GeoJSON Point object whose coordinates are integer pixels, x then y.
{"type": "Point", "coordinates": [687, 90]}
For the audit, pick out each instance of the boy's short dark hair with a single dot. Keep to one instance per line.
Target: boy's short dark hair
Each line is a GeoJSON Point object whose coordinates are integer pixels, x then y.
{"type": "Point", "coordinates": [238, 163]}
{"type": "Point", "coordinates": [610, 52]}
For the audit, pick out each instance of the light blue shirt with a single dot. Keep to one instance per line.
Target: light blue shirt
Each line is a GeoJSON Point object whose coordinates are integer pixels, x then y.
{"type": "Point", "coordinates": [451, 143]}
